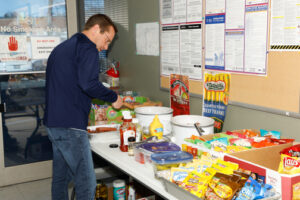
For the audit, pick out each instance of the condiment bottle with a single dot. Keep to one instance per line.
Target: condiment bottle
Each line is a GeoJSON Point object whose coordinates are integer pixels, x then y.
{"type": "Point", "coordinates": [138, 128]}
{"type": "Point", "coordinates": [156, 128]}
{"type": "Point", "coordinates": [131, 141]}
{"type": "Point", "coordinates": [127, 130]}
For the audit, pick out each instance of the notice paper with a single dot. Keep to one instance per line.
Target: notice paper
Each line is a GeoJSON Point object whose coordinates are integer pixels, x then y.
{"type": "Point", "coordinates": [170, 50]}
{"type": "Point", "coordinates": [214, 42]}
{"type": "Point", "coordinates": [285, 25]}
{"type": "Point", "coordinates": [256, 38]}
{"type": "Point", "coordinates": [147, 39]}
{"type": "Point", "coordinates": [191, 50]}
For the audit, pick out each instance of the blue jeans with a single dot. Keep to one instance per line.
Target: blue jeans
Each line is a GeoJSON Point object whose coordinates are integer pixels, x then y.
{"type": "Point", "coordinates": [72, 160]}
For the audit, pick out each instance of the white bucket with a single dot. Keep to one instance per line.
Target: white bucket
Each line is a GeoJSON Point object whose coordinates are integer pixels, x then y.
{"type": "Point", "coordinates": [146, 114]}
{"type": "Point", "coordinates": [183, 126]}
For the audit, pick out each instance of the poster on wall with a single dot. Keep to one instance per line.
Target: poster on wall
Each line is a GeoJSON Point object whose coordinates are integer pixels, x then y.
{"type": "Point", "coordinates": [13, 48]}
{"type": "Point", "coordinates": [179, 94]}
{"type": "Point", "coordinates": [41, 47]}
{"type": "Point", "coordinates": [214, 43]}
{"type": "Point", "coordinates": [285, 25]}
{"type": "Point", "coordinates": [215, 97]}
{"type": "Point", "coordinates": [147, 39]}
{"type": "Point", "coordinates": [181, 38]}
{"type": "Point", "coordinates": [236, 36]}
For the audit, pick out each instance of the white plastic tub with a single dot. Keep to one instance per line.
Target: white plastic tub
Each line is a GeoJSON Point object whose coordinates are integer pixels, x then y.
{"type": "Point", "coordinates": [183, 126]}
{"type": "Point", "coordinates": [146, 114]}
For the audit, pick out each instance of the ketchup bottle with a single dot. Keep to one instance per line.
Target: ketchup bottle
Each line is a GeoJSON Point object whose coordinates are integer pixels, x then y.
{"type": "Point", "coordinates": [127, 130]}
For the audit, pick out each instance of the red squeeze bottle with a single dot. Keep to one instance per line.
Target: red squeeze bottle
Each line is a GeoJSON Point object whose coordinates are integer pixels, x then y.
{"type": "Point", "coordinates": [127, 130]}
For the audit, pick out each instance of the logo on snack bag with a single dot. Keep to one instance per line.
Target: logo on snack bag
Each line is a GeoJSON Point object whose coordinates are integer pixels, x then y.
{"type": "Point", "coordinates": [290, 162]}
{"type": "Point", "coordinates": [218, 86]}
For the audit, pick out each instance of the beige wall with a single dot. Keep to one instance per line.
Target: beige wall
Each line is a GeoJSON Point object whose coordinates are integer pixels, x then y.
{"type": "Point", "coordinates": [141, 73]}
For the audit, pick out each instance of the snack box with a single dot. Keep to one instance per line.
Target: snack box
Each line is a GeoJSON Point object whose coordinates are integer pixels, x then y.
{"type": "Point", "coordinates": [210, 137]}
{"type": "Point", "coordinates": [265, 162]}
{"type": "Point", "coordinates": [143, 151]}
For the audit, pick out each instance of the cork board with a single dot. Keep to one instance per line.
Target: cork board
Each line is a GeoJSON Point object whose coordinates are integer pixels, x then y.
{"type": "Point", "coordinates": [278, 90]}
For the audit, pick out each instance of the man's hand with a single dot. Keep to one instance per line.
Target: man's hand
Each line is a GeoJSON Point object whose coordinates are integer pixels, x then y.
{"type": "Point", "coordinates": [118, 104]}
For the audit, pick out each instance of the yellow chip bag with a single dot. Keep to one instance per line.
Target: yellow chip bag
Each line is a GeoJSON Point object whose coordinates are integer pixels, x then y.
{"type": "Point", "coordinates": [232, 149]}
{"type": "Point", "coordinates": [178, 175]}
{"type": "Point", "coordinates": [227, 164]}
{"type": "Point", "coordinates": [289, 165]}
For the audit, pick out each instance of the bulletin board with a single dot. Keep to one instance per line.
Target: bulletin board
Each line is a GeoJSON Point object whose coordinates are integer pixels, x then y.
{"type": "Point", "coordinates": [279, 89]}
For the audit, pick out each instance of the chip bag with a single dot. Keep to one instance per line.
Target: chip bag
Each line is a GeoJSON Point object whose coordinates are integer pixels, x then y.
{"type": "Point", "coordinates": [289, 165]}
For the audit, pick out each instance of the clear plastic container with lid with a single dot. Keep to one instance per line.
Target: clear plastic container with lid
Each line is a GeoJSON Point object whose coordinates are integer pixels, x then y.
{"type": "Point", "coordinates": [163, 162]}
{"type": "Point", "coordinates": [144, 151]}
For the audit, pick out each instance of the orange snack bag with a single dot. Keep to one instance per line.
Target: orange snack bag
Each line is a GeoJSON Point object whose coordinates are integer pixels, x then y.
{"type": "Point", "coordinates": [250, 133]}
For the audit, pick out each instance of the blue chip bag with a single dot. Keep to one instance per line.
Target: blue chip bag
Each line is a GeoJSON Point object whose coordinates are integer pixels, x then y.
{"type": "Point", "coordinates": [273, 134]}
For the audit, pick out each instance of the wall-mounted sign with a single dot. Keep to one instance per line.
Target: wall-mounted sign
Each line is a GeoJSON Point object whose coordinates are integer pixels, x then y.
{"type": "Point", "coordinates": [13, 48]}
{"type": "Point", "coordinates": [41, 47]}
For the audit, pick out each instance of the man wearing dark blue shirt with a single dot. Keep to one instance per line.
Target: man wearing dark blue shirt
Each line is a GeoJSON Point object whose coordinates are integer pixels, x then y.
{"type": "Point", "coordinates": [71, 82]}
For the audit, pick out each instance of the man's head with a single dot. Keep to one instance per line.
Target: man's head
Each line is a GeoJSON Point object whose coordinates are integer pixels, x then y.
{"type": "Point", "coordinates": [101, 30]}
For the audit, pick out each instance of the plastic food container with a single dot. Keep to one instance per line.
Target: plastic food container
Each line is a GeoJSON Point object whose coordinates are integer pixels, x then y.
{"type": "Point", "coordinates": [144, 151]}
{"type": "Point", "coordinates": [163, 162]}
{"type": "Point", "coordinates": [183, 126]}
{"type": "Point", "coordinates": [146, 115]}
{"type": "Point", "coordinates": [171, 157]}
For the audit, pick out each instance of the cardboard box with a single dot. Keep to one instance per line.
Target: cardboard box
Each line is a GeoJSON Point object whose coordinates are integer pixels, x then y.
{"type": "Point", "coordinates": [265, 162]}
{"type": "Point", "coordinates": [210, 137]}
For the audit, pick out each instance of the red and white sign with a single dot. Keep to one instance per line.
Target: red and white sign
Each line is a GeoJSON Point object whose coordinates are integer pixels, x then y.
{"type": "Point", "coordinates": [42, 46]}
{"type": "Point", "coordinates": [13, 48]}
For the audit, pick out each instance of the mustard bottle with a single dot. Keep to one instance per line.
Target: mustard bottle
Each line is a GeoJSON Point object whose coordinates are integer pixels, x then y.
{"type": "Point", "coordinates": [156, 128]}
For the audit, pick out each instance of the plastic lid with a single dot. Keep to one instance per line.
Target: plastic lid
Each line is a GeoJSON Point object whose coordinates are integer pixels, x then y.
{"type": "Point", "coordinates": [171, 157]}
{"type": "Point", "coordinates": [126, 114]}
{"type": "Point", "coordinates": [118, 183]}
{"type": "Point", "coordinates": [160, 147]}
{"type": "Point", "coordinates": [135, 120]}
{"type": "Point", "coordinates": [131, 139]}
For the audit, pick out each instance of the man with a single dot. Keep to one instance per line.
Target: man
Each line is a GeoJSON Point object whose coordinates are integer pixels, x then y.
{"type": "Point", "coordinates": [71, 81]}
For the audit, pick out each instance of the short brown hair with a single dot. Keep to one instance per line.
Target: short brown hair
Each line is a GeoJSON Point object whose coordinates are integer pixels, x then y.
{"type": "Point", "coordinates": [102, 20]}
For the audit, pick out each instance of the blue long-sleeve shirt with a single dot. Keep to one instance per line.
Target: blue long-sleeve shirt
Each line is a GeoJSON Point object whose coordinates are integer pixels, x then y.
{"type": "Point", "coordinates": [71, 82]}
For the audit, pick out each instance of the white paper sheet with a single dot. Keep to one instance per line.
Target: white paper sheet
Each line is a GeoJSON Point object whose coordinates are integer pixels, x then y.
{"type": "Point", "coordinates": [191, 50]}
{"type": "Point", "coordinates": [234, 51]}
{"type": "Point", "coordinates": [166, 11]}
{"type": "Point", "coordinates": [41, 47]}
{"type": "Point", "coordinates": [214, 42]}
{"type": "Point", "coordinates": [179, 11]}
{"type": "Point", "coordinates": [285, 25]}
{"type": "Point", "coordinates": [147, 39]}
{"type": "Point", "coordinates": [194, 10]}
{"type": "Point", "coordinates": [256, 39]}
{"type": "Point", "coordinates": [215, 6]}
{"type": "Point", "coordinates": [235, 14]}
{"type": "Point", "coordinates": [170, 50]}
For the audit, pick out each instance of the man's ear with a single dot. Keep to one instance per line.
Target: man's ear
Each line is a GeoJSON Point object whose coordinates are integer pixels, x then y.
{"type": "Point", "coordinates": [96, 28]}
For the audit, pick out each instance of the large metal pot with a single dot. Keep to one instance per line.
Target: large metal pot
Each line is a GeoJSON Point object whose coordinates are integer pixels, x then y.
{"type": "Point", "coordinates": [183, 126]}
{"type": "Point", "coordinates": [146, 114]}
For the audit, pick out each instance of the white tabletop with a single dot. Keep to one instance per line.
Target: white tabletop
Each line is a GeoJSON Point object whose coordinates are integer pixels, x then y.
{"type": "Point", "coordinates": [141, 172]}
